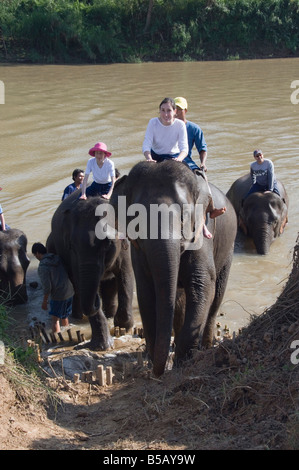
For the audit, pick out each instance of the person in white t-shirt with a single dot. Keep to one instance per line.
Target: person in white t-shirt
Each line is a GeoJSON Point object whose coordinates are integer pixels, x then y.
{"type": "Point", "coordinates": [103, 172]}
{"type": "Point", "coordinates": [165, 136]}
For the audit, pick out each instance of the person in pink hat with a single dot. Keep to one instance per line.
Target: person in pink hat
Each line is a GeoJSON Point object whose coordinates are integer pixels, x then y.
{"type": "Point", "coordinates": [103, 172]}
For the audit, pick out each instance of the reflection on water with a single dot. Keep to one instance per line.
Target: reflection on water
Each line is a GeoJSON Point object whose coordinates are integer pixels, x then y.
{"type": "Point", "coordinates": [53, 114]}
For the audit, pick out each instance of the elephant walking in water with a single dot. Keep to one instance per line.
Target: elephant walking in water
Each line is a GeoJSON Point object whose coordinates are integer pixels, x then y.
{"type": "Point", "coordinates": [262, 216]}
{"type": "Point", "coordinates": [99, 269]}
{"type": "Point", "coordinates": [169, 268]}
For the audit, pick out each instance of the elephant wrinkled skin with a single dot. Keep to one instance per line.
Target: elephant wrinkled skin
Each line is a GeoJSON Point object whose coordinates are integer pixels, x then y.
{"type": "Point", "coordinates": [262, 216]}
{"type": "Point", "coordinates": [100, 270]}
{"type": "Point", "coordinates": [13, 266]}
{"type": "Point", "coordinates": [177, 287]}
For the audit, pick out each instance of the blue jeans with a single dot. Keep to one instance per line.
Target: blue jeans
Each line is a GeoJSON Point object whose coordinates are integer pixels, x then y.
{"type": "Point", "coordinates": [160, 158]}
{"type": "Point", "coordinates": [97, 189]}
{"type": "Point", "coordinates": [255, 188]}
{"type": "Point", "coordinates": [187, 160]}
{"type": "Point", "coordinates": [61, 308]}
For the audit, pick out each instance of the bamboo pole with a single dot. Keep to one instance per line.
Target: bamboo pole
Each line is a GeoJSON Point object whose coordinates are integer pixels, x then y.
{"type": "Point", "coordinates": [100, 375]}
{"type": "Point", "coordinates": [109, 375]}
{"type": "Point", "coordinates": [78, 335]}
{"type": "Point", "coordinates": [69, 332]}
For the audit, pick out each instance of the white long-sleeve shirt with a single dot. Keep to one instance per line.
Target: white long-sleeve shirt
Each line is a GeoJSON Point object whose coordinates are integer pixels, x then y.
{"type": "Point", "coordinates": [165, 140]}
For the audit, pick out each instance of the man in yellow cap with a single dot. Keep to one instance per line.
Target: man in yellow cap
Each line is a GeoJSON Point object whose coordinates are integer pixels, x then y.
{"type": "Point", "coordinates": [196, 137]}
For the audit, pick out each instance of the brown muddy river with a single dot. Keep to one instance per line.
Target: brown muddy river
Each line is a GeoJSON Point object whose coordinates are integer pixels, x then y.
{"type": "Point", "coordinates": [51, 115]}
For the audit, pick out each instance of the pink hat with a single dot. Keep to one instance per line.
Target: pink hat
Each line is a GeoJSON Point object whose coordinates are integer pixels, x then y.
{"type": "Point", "coordinates": [100, 147]}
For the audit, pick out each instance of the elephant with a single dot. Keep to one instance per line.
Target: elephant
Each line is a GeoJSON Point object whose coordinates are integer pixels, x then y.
{"type": "Point", "coordinates": [13, 266]}
{"type": "Point", "coordinates": [180, 280]}
{"type": "Point", "coordinates": [262, 216]}
{"type": "Point", "coordinates": [99, 269]}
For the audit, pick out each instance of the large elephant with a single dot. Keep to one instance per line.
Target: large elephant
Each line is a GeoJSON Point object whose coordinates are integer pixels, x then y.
{"type": "Point", "coordinates": [13, 266]}
{"type": "Point", "coordinates": [180, 280]}
{"type": "Point", "coordinates": [95, 266]}
{"type": "Point", "coordinates": [262, 216]}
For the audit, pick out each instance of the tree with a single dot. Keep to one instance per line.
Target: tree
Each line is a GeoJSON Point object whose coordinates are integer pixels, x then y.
{"type": "Point", "coordinates": [149, 15]}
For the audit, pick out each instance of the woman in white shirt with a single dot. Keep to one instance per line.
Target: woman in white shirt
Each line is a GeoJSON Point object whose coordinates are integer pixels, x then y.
{"type": "Point", "coordinates": [103, 171]}
{"type": "Point", "coordinates": [165, 136]}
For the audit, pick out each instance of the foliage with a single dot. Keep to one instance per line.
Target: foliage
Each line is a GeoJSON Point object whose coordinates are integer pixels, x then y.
{"type": "Point", "coordinates": [24, 356]}
{"type": "Point", "coordinates": [107, 31]}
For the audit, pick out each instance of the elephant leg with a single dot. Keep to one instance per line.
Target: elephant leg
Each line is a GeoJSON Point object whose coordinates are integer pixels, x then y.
{"type": "Point", "coordinates": [179, 311]}
{"type": "Point", "coordinates": [101, 339]}
{"type": "Point", "coordinates": [146, 300]}
{"type": "Point", "coordinates": [221, 282]}
{"type": "Point", "coordinates": [125, 286]}
{"type": "Point", "coordinates": [108, 293]}
{"type": "Point", "coordinates": [199, 286]}
{"type": "Point", "coordinates": [76, 309]}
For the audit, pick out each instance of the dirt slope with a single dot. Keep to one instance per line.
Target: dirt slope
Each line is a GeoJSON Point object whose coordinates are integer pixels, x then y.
{"type": "Point", "coordinates": [242, 394]}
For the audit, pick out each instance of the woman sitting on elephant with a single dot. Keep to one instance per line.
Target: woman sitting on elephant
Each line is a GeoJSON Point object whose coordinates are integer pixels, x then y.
{"type": "Point", "coordinates": [166, 139]}
{"type": "Point", "coordinates": [103, 171]}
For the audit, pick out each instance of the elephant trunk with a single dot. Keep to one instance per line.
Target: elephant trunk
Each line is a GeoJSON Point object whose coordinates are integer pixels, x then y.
{"type": "Point", "coordinates": [164, 269]}
{"type": "Point", "coordinates": [262, 240]}
{"type": "Point", "coordinates": [89, 280]}
{"type": "Point", "coordinates": [16, 277]}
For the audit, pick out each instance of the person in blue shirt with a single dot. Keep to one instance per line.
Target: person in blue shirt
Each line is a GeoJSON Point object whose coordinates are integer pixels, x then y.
{"type": "Point", "coordinates": [195, 137]}
{"type": "Point", "coordinates": [78, 177]}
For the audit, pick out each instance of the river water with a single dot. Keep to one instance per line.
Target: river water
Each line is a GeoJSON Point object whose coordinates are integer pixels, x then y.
{"type": "Point", "coordinates": [51, 115]}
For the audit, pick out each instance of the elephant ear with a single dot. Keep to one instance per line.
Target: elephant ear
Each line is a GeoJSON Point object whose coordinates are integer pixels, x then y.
{"type": "Point", "coordinates": [120, 181]}
{"type": "Point", "coordinates": [66, 230]}
{"type": "Point", "coordinates": [242, 225]}
{"type": "Point", "coordinates": [283, 224]}
{"type": "Point", "coordinates": [192, 224]}
{"type": "Point", "coordinates": [22, 241]}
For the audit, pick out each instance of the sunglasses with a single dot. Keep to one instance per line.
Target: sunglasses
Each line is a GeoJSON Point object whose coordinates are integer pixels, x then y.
{"type": "Point", "coordinates": [258, 155]}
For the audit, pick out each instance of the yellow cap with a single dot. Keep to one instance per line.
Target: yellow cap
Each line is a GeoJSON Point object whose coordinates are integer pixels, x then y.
{"type": "Point", "coordinates": [181, 102]}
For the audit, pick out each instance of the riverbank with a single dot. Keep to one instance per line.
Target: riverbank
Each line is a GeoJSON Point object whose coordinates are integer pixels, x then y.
{"type": "Point", "coordinates": [126, 31]}
{"type": "Point", "coordinates": [240, 395]}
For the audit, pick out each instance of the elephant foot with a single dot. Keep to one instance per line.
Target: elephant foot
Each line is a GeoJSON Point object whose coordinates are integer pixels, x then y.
{"type": "Point", "coordinates": [121, 322]}
{"type": "Point", "coordinates": [101, 339]}
{"type": "Point", "coordinates": [94, 345]}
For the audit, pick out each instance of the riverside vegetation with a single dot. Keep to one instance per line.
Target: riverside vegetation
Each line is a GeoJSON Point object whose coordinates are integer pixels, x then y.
{"type": "Point", "coordinates": [117, 31]}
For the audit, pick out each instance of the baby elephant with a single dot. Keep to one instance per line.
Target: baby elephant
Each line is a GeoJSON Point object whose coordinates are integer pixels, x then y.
{"type": "Point", "coordinates": [13, 266]}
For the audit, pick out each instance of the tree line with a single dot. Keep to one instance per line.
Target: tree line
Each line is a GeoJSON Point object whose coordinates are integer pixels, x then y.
{"type": "Point", "coordinates": [110, 31]}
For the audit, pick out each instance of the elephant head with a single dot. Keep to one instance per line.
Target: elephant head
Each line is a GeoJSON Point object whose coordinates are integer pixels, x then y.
{"type": "Point", "coordinates": [262, 216]}
{"type": "Point", "coordinates": [90, 260]}
{"type": "Point", "coordinates": [157, 255]}
{"type": "Point", "coordinates": [13, 266]}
